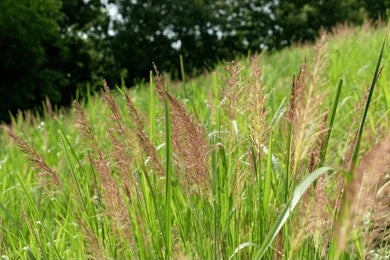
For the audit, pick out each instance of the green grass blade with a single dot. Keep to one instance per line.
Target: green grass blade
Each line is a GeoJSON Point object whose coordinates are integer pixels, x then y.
{"type": "Point", "coordinates": [286, 213]}
{"type": "Point", "coordinates": [78, 185]}
{"type": "Point", "coordinates": [8, 215]}
{"type": "Point", "coordinates": [241, 247]}
{"type": "Point", "coordinates": [70, 146]}
{"type": "Point", "coordinates": [152, 112]}
{"type": "Point", "coordinates": [183, 76]}
{"type": "Point", "coordinates": [342, 216]}
{"type": "Point", "coordinates": [267, 177]}
{"type": "Point", "coordinates": [331, 122]}
{"type": "Point", "coordinates": [168, 183]}
{"type": "Point", "coordinates": [367, 106]}
{"type": "Point", "coordinates": [35, 209]}
{"type": "Point", "coordinates": [30, 254]}
{"type": "Point", "coordinates": [72, 171]}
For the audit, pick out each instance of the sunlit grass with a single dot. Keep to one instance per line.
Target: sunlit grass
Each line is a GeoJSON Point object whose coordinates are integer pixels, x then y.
{"type": "Point", "coordinates": [260, 164]}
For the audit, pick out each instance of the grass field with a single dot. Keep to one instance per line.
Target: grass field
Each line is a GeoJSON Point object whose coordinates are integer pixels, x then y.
{"type": "Point", "coordinates": [246, 162]}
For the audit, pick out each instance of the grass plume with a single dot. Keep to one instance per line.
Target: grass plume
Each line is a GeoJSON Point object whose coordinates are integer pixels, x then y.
{"type": "Point", "coordinates": [144, 140]}
{"type": "Point", "coordinates": [188, 138]}
{"type": "Point", "coordinates": [48, 175]}
{"type": "Point", "coordinates": [116, 207]}
{"type": "Point", "coordinates": [132, 186]}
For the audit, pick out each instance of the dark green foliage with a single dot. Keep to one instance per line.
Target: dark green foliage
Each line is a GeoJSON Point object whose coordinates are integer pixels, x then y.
{"type": "Point", "coordinates": [54, 48]}
{"type": "Point", "coordinates": [28, 31]}
{"type": "Point", "coordinates": [44, 51]}
{"type": "Point", "coordinates": [207, 31]}
{"type": "Point", "coordinates": [377, 8]}
{"type": "Point", "coordinates": [150, 29]}
{"type": "Point", "coordinates": [299, 20]}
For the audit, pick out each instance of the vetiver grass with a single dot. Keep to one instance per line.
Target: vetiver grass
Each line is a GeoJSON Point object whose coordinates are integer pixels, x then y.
{"type": "Point", "coordinates": [281, 155]}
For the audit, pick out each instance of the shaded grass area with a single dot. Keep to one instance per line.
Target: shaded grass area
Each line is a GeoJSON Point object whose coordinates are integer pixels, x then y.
{"type": "Point", "coordinates": [263, 158]}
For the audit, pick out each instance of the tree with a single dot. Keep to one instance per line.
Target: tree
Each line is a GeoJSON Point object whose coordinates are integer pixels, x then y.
{"type": "Point", "coordinates": [160, 31]}
{"type": "Point", "coordinates": [377, 9]}
{"type": "Point", "coordinates": [27, 28]}
{"type": "Point", "coordinates": [46, 50]}
{"type": "Point", "coordinates": [299, 20]}
{"type": "Point", "coordinates": [54, 47]}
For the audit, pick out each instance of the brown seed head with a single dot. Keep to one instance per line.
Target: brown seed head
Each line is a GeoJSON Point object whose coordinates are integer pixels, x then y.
{"type": "Point", "coordinates": [364, 197]}
{"type": "Point", "coordinates": [143, 138]}
{"type": "Point", "coordinates": [189, 141]}
{"type": "Point", "coordinates": [319, 144]}
{"type": "Point", "coordinates": [188, 137]}
{"type": "Point", "coordinates": [369, 189]}
{"type": "Point", "coordinates": [37, 161]}
{"type": "Point", "coordinates": [115, 206]}
{"type": "Point", "coordinates": [94, 245]}
{"type": "Point", "coordinates": [232, 94]}
{"type": "Point", "coordinates": [115, 114]}
{"type": "Point", "coordinates": [84, 126]}
{"type": "Point", "coordinates": [297, 97]}
{"type": "Point", "coordinates": [257, 110]}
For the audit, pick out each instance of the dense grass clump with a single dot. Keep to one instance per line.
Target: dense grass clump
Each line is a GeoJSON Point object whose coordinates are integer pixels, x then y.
{"type": "Point", "coordinates": [276, 156]}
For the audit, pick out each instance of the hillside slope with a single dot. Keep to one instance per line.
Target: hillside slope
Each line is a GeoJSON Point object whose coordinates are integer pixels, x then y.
{"type": "Point", "coordinates": [238, 150]}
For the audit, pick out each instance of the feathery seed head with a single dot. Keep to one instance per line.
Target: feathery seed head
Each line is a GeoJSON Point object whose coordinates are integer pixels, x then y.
{"type": "Point", "coordinates": [188, 138]}
{"type": "Point", "coordinates": [37, 161]}
{"type": "Point", "coordinates": [233, 92]}
{"type": "Point", "coordinates": [115, 206]}
{"type": "Point", "coordinates": [257, 110]}
{"type": "Point", "coordinates": [144, 140]}
{"type": "Point", "coordinates": [364, 197]}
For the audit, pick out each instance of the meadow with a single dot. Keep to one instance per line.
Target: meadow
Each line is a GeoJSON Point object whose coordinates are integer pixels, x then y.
{"type": "Point", "coordinates": [281, 155]}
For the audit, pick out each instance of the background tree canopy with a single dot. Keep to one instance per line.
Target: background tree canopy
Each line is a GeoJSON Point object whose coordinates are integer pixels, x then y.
{"type": "Point", "coordinates": [54, 48]}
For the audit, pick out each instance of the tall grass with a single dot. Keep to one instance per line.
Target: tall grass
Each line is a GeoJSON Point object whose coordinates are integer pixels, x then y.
{"type": "Point", "coordinates": [239, 164]}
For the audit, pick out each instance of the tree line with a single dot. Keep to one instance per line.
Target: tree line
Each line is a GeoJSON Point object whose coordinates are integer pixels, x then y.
{"type": "Point", "coordinates": [56, 48]}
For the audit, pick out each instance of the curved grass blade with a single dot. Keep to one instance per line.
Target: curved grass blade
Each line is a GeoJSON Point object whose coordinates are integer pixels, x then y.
{"type": "Point", "coordinates": [298, 193]}
{"type": "Point", "coordinates": [331, 122]}
{"type": "Point", "coordinates": [30, 254]}
{"type": "Point", "coordinates": [241, 247]}
{"type": "Point", "coordinates": [342, 216]}
{"type": "Point", "coordinates": [360, 131]}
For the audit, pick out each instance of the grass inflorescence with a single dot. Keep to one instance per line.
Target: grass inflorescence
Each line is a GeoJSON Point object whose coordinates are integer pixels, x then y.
{"type": "Point", "coordinates": [281, 155]}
